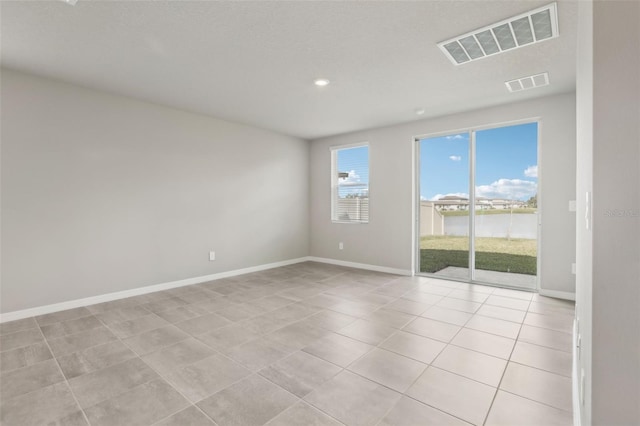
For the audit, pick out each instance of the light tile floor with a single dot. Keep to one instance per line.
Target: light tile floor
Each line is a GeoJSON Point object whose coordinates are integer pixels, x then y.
{"type": "Point", "coordinates": [298, 345]}
{"type": "Point", "coordinates": [508, 279]}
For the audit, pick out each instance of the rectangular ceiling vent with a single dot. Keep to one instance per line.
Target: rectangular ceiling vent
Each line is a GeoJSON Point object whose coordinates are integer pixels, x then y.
{"type": "Point", "coordinates": [529, 82]}
{"type": "Point", "coordinates": [522, 30]}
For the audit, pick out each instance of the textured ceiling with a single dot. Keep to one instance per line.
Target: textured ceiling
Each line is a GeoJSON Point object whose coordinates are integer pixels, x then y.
{"type": "Point", "coordinates": [255, 62]}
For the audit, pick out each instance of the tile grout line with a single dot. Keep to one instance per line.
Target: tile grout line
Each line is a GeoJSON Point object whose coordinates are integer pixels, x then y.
{"type": "Point", "coordinates": [486, 417]}
{"type": "Point", "coordinates": [538, 368]}
{"type": "Point", "coordinates": [349, 299]}
{"type": "Point", "coordinates": [55, 358]}
{"type": "Point", "coordinates": [378, 346]}
{"type": "Point", "coordinates": [300, 399]}
{"type": "Point", "coordinates": [310, 405]}
{"type": "Point", "coordinates": [38, 326]}
{"type": "Point", "coordinates": [342, 369]}
{"type": "Point", "coordinates": [428, 365]}
{"type": "Point", "coordinates": [447, 344]}
{"type": "Point", "coordinates": [263, 335]}
{"type": "Point", "coordinates": [223, 355]}
{"type": "Point", "coordinates": [118, 338]}
{"type": "Point", "coordinates": [165, 379]}
{"type": "Point", "coordinates": [136, 356]}
{"type": "Point", "coordinates": [538, 402]}
{"type": "Point", "coordinates": [497, 388]}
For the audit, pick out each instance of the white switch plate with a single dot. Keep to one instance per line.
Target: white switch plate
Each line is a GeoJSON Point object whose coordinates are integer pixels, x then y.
{"type": "Point", "coordinates": [572, 205]}
{"type": "Point", "coordinates": [573, 268]}
{"type": "Point", "coordinates": [587, 211]}
{"type": "Point", "coordinates": [212, 255]}
{"type": "Point", "coordinates": [340, 246]}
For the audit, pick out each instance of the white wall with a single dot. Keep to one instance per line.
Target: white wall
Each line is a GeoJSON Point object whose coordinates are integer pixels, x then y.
{"type": "Point", "coordinates": [584, 185]}
{"type": "Point", "coordinates": [608, 305]}
{"type": "Point", "coordinates": [102, 193]}
{"type": "Point", "coordinates": [387, 239]}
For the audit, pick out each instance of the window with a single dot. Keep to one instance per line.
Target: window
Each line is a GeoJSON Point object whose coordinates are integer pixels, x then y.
{"type": "Point", "coordinates": [350, 184]}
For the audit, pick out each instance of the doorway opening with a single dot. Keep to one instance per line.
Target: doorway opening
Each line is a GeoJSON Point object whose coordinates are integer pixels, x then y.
{"type": "Point", "coordinates": [478, 217]}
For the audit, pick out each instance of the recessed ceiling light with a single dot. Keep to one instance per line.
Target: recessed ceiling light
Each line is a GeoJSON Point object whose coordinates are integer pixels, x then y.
{"type": "Point", "coordinates": [321, 82]}
{"type": "Point", "coordinates": [419, 111]}
{"type": "Point", "coordinates": [70, 2]}
{"type": "Point", "coordinates": [522, 30]}
{"type": "Point", "coordinates": [529, 82]}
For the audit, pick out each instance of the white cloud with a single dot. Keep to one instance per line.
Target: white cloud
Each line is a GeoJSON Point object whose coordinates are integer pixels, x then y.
{"type": "Point", "coordinates": [450, 194]}
{"type": "Point", "coordinates": [455, 137]}
{"type": "Point", "coordinates": [455, 158]}
{"type": "Point", "coordinates": [352, 180]}
{"type": "Point", "coordinates": [352, 185]}
{"type": "Point", "coordinates": [510, 189]}
{"type": "Point", "coordinates": [531, 171]}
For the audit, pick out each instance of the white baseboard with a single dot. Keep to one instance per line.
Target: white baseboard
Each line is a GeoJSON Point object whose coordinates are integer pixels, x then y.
{"type": "Point", "coordinates": [77, 303]}
{"type": "Point", "coordinates": [558, 294]}
{"type": "Point", "coordinates": [47, 309]}
{"type": "Point", "coordinates": [361, 266]}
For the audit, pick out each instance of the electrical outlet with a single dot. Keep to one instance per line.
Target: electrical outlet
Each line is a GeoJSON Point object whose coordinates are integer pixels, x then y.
{"type": "Point", "coordinates": [212, 255]}
{"type": "Point", "coordinates": [340, 246]}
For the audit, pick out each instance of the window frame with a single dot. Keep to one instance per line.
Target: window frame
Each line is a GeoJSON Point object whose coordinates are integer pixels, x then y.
{"type": "Point", "coordinates": [334, 182]}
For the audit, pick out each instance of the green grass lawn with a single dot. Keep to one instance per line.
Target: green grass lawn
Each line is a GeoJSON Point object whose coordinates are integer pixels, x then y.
{"type": "Point", "coordinates": [493, 254]}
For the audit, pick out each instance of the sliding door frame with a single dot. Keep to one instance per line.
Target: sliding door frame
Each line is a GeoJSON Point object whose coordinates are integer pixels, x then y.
{"type": "Point", "coordinates": [471, 131]}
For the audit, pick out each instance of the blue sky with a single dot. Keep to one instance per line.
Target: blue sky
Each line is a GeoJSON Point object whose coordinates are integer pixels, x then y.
{"type": "Point", "coordinates": [506, 163]}
{"type": "Point", "coordinates": [354, 161]}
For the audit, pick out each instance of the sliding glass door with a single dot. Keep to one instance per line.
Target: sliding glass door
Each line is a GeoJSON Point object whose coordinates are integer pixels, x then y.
{"type": "Point", "coordinates": [488, 234]}
{"type": "Point", "coordinates": [506, 219]}
{"type": "Point", "coordinates": [444, 205]}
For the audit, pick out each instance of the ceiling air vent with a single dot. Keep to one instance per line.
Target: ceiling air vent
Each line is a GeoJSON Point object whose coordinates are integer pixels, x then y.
{"type": "Point", "coordinates": [522, 30]}
{"type": "Point", "coordinates": [529, 82]}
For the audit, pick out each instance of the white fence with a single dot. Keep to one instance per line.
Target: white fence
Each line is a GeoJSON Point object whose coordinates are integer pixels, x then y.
{"type": "Point", "coordinates": [431, 220]}
{"type": "Point", "coordinates": [353, 209]}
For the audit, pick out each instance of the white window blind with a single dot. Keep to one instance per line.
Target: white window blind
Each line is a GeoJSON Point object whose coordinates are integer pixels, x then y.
{"type": "Point", "coordinates": [350, 184]}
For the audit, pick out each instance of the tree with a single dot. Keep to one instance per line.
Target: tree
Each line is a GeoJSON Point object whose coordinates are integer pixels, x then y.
{"type": "Point", "coordinates": [533, 202]}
